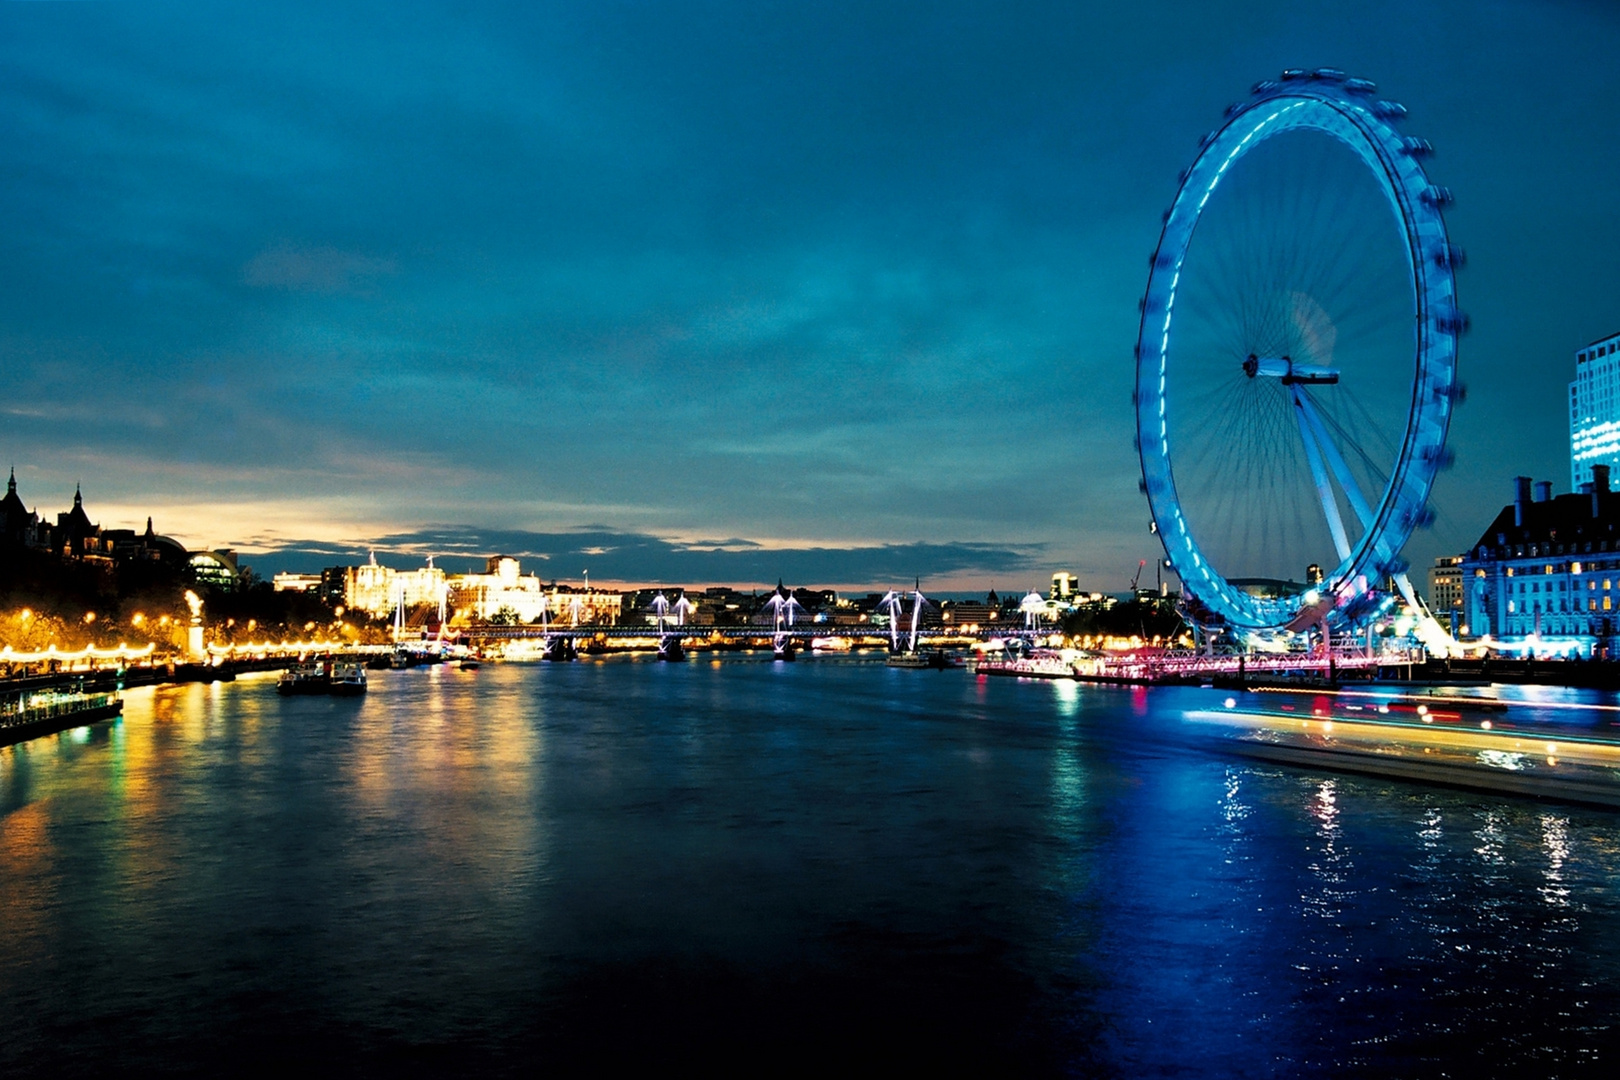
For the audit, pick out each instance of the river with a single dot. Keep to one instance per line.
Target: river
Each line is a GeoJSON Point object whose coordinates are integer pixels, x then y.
{"type": "Point", "coordinates": [773, 868]}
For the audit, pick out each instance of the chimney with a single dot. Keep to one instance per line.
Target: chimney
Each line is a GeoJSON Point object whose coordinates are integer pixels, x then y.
{"type": "Point", "coordinates": [1543, 491]}
{"type": "Point", "coordinates": [1521, 495]}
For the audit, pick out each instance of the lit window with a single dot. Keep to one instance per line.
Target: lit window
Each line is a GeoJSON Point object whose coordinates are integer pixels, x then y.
{"type": "Point", "coordinates": [1607, 605]}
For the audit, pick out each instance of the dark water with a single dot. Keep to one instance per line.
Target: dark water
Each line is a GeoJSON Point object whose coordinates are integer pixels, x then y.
{"type": "Point", "coordinates": [773, 869]}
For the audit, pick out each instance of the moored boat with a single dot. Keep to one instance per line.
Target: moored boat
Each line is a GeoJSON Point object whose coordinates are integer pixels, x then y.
{"type": "Point", "coordinates": [927, 659]}
{"type": "Point", "coordinates": [347, 680]}
{"type": "Point", "coordinates": [28, 716]}
{"type": "Point", "coordinates": [310, 677]}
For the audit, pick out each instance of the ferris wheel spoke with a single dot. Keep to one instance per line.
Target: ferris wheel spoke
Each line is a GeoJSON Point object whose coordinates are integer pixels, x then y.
{"type": "Point", "coordinates": [1335, 461]}
{"type": "Point", "coordinates": [1324, 487]}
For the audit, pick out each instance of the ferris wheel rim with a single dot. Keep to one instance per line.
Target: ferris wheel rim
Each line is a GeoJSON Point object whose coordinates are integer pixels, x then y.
{"type": "Point", "coordinates": [1346, 109]}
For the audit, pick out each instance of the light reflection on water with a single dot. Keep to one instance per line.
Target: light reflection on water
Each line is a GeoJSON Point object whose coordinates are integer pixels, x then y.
{"type": "Point", "coordinates": [745, 861]}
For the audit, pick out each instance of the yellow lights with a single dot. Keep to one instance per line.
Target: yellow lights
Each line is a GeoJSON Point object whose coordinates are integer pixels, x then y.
{"type": "Point", "coordinates": [89, 617]}
{"type": "Point", "coordinates": [1574, 567]}
{"type": "Point", "coordinates": [252, 623]}
{"type": "Point", "coordinates": [264, 648]}
{"type": "Point", "coordinates": [194, 602]}
{"type": "Point", "coordinates": [25, 614]}
{"type": "Point", "coordinates": [8, 655]}
{"type": "Point", "coordinates": [138, 619]}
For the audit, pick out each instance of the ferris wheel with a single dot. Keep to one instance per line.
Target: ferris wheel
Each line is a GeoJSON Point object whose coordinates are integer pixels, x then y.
{"type": "Point", "coordinates": [1296, 367]}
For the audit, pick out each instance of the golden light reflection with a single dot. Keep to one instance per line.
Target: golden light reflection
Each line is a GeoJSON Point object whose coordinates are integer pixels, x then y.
{"type": "Point", "coordinates": [476, 756]}
{"type": "Point", "coordinates": [27, 888]}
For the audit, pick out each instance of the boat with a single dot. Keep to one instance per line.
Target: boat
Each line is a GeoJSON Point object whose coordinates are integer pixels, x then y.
{"type": "Point", "coordinates": [402, 658]}
{"type": "Point", "coordinates": [470, 663]}
{"type": "Point", "coordinates": [928, 659]}
{"type": "Point", "coordinates": [310, 677]}
{"type": "Point", "coordinates": [1035, 664]}
{"type": "Point", "coordinates": [347, 680]}
{"type": "Point", "coordinates": [42, 712]}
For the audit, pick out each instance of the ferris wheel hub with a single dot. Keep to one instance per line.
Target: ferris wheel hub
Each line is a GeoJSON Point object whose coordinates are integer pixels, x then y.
{"type": "Point", "coordinates": [1287, 372]}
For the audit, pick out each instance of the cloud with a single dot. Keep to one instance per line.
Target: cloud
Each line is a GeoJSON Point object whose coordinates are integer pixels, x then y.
{"type": "Point", "coordinates": [615, 556]}
{"type": "Point", "coordinates": [322, 270]}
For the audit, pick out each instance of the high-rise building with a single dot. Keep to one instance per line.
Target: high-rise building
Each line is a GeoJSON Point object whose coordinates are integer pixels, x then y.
{"type": "Point", "coordinates": [1445, 586]}
{"type": "Point", "coordinates": [1594, 411]}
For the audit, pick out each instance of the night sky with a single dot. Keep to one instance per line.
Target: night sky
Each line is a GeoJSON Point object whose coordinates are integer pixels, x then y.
{"type": "Point", "coordinates": [710, 291]}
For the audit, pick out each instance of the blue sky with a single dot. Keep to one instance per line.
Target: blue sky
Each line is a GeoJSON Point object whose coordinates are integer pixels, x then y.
{"type": "Point", "coordinates": [850, 287]}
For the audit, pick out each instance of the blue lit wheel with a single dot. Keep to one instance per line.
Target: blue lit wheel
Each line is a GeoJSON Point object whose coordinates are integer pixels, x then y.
{"type": "Point", "coordinates": [1296, 366]}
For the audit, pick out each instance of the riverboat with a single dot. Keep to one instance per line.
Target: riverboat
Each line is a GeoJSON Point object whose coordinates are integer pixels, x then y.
{"type": "Point", "coordinates": [347, 680]}
{"type": "Point", "coordinates": [928, 659]}
{"type": "Point", "coordinates": [307, 678]}
{"type": "Point", "coordinates": [1039, 664]}
{"type": "Point", "coordinates": [43, 712]}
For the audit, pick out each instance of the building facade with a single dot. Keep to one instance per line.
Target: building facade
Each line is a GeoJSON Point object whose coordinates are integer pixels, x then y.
{"type": "Point", "coordinates": [1594, 410]}
{"type": "Point", "coordinates": [1445, 586]}
{"type": "Point", "coordinates": [1544, 575]}
{"type": "Point", "coordinates": [377, 590]}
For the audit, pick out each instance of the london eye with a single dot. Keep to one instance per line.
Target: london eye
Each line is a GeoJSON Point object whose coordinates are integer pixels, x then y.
{"type": "Point", "coordinates": [1296, 367]}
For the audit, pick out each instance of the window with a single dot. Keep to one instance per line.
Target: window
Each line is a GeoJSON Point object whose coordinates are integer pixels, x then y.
{"type": "Point", "coordinates": [1511, 607]}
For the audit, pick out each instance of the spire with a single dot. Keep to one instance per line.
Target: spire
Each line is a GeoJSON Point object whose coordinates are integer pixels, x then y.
{"type": "Point", "coordinates": [78, 497]}
{"type": "Point", "coordinates": [11, 485]}
{"type": "Point", "coordinates": [149, 533]}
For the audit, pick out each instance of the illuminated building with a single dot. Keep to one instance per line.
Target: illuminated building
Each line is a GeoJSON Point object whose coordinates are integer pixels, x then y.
{"type": "Point", "coordinates": [1445, 585]}
{"type": "Point", "coordinates": [504, 591]}
{"type": "Point", "coordinates": [377, 590]}
{"type": "Point", "coordinates": [216, 569]}
{"type": "Point", "coordinates": [1547, 570]}
{"type": "Point", "coordinates": [503, 587]}
{"type": "Point", "coordinates": [1594, 410]}
{"type": "Point", "coordinates": [300, 583]}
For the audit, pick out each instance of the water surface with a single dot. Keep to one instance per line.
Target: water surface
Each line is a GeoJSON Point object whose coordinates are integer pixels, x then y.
{"type": "Point", "coordinates": [773, 868]}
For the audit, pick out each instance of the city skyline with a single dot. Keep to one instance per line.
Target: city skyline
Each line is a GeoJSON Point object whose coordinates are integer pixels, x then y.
{"type": "Point", "coordinates": [845, 296]}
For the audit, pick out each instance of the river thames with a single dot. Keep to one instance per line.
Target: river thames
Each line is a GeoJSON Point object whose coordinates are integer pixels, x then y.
{"type": "Point", "coordinates": [773, 868]}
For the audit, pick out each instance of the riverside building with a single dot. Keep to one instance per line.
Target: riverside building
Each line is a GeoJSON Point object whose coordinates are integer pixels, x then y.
{"type": "Point", "coordinates": [1544, 576]}
{"type": "Point", "coordinates": [377, 590]}
{"type": "Point", "coordinates": [1594, 410]}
